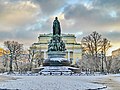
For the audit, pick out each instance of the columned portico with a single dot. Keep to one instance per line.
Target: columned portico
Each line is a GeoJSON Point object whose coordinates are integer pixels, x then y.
{"type": "Point", "coordinates": [45, 54]}
{"type": "Point", "coordinates": [69, 55]}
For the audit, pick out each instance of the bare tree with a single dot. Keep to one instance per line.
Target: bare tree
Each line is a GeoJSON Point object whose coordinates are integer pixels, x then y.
{"type": "Point", "coordinates": [15, 48]}
{"type": "Point", "coordinates": [35, 55]}
{"type": "Point", "coordinates": [5, 60]}
{"type": "Point", "coordinates": [115, 65]}
{"type": "Point", "coordinates": [109, 63]}
{"type": "Point", "coordinates": [32, 55]}
{"type": "Point", "coordinates": [105, 46]}
{"type": "Point", "coordinates": [91, 46]}
{"type": "Point", "coordinates": [38, 58]}
{"type": "Point", "coordinates": [18, 52]}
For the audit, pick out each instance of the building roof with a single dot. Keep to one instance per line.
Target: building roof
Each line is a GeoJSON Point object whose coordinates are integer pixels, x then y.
{"type": "Point", "coordinates": [50, 34]}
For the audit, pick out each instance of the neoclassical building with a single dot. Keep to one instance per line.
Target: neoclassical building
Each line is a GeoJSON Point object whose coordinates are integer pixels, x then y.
{"type": "Point", "coordinates": [73, 49]}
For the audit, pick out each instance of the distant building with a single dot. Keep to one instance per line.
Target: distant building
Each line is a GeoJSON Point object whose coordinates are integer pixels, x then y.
{"type": "Point", "coordinates": [73, 51]}
{"type": "Point", "coordinates": [2, 52]}
{"type": "Point", "coordinates": [116, 53]}
{"type": "Point", "coordinates": [116, 61]}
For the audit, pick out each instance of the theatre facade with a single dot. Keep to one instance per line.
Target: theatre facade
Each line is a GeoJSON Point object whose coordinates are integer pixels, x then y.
{"type": "Point", "coordinates": [73, 49]}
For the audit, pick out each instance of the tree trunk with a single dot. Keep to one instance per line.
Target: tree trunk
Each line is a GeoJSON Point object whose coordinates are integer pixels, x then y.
{"type": "Point", "coordinates": [16, 63]}
{"type": "Point", "coordinates": [31, 64]}
{"type": "Point", "coordinates": [11, 59]}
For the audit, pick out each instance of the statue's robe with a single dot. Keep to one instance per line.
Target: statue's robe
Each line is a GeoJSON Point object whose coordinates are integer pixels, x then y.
{"type": "Point", "coordinates": [56, 27]}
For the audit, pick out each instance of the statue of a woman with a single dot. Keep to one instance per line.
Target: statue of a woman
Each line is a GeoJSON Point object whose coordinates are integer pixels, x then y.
{"type": "Point", "coordinates": [56, 27]}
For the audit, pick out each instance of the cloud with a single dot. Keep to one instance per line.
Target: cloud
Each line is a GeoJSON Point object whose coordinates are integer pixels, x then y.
{"type": "Point", "coordinates": [25, 19]}
{"type": "Point", "coordinates": [94, 15]}
{"type": "Point", "coordinates": [23, 36]}
{"type": "Point", "coordinates": [49, 7]}
{"type": "Point", "coordinates": [112, 35]}
{"type": "Point", "coordinates": [107, 3]}
{"type": "Point", "coordinates": [18, 13]}
{"type": "Point", "coordinates": [92, 19]}
{"type": "Point", "coordinates": [15, 17]}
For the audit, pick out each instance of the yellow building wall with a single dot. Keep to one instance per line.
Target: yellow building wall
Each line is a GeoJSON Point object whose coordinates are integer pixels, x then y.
{"type": "Point", "coordinates": [2, 52]}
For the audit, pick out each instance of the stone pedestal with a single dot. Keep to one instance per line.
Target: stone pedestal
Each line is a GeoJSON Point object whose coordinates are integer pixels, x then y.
{"type": "Point", "coordinates": [56, 54]}
{"type": "Point", "coordinates": [56, 58]}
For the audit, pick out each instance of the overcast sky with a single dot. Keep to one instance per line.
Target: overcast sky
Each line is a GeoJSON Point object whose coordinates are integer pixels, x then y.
{"type": "Point", "coordinates": [24, 20]}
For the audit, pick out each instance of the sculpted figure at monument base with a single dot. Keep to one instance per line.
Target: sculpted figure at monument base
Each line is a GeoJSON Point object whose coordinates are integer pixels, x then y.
{"type": "Point", "coordinates": [56, 44]}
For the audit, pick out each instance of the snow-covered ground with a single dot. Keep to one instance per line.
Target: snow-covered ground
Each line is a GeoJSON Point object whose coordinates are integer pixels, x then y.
{"type": "Point", "coordinates": [60, 82]}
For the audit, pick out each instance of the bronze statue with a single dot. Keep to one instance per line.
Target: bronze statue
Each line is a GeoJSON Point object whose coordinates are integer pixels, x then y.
{"type": "Point", "coordinates": [56, 43]}
{"type": "Point", "coordinates": [56, 27]}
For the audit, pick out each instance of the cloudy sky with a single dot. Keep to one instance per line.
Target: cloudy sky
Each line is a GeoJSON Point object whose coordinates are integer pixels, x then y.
{"type": "Point", "coordinates": [24, 20]}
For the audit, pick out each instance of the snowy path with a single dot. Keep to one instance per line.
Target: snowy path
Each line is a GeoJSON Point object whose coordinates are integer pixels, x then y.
{"type": "Point", "coordinates": [52, 83]}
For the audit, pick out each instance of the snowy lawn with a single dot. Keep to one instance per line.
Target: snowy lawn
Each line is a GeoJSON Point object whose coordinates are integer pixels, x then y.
{"type": "Point", "coordinates": [113, 81]}
{"type": "Point", "coordinates": [53, 83]}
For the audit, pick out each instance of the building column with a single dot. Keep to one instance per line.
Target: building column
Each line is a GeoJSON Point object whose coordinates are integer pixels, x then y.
{"type": "Point", "coordinates": [45, 55]}
{"type": "Point", "coordinates": [69, 55]}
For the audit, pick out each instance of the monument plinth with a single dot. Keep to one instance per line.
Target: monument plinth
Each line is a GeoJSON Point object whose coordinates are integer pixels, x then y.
{"type": "Point", "coordinates": [56, 48]}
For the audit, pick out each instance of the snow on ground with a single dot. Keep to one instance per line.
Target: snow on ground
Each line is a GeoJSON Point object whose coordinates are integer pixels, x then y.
{"type": "Point", "coordinates": [4, 78]}
{"type": "Point", "coordinates": [117, 77]}
{"type": "Point", "coordinates": [52, 83]}
{"type": "Point", "coordinates": [112, 81]}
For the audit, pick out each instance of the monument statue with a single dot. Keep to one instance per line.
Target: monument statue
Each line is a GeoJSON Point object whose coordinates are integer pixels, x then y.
{"type": "Point", "coordinates": [56, 43]}
{"type": "Point", "coordinates": [56, 52]}
{"type": "Point", "coordinates": [56, 27]}
{"type": "Point", "coordinates": [56, 48]}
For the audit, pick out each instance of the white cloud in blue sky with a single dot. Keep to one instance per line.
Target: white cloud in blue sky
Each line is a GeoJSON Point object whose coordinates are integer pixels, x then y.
{"type": "Point", "coordinates": [24, 20]}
